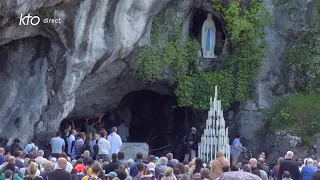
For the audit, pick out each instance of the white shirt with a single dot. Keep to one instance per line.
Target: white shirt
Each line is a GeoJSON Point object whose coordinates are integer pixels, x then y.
{"type": "Point", "coordinates": [104, 146]}
{"type": "Point", "coordinates": [115, 142]}
{"type": "Point", "coordinates": [41, 160]}
{"type": "Point", "coordinates": [71, 138]}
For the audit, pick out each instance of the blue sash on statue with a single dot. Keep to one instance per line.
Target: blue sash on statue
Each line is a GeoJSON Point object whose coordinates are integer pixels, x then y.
{"type": "Point", "coordinates": [208, 40]}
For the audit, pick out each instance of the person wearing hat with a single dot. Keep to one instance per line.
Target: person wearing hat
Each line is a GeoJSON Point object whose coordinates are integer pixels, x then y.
{"type": "Point", "coordinates": [111, 175]}
{"type": "Point", "coordinates": [78, 171]}
{"type": "Point", "coordinates": [190, 142]}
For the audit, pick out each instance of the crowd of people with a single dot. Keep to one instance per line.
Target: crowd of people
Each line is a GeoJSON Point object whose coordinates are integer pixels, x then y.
{"type": "Point", "coordinates": [97, 156]}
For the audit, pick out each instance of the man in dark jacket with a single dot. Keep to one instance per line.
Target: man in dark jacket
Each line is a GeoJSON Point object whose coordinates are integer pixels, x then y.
{"type": "Point", "coordinates": [316, 175]}
{"type": "Point", "coordinates": [15, 146]}
{"type": "Point", "coordinates": [113, 165]}
{"type": "Point", "coordinates": [265, 167]}
{"type": "Point", "coordinates": [191, 141]}
{"type": "Point", "coordinates": [289, 165]}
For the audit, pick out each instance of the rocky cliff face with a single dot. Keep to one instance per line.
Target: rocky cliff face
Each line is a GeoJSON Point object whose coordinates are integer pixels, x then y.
{"type": "Point", "coordinates": [272, 79]}
{"type": "Point", "coordinates": [79, 67]}
{"type": "Point", "coordinates": [83, 65]}
{"type": "Point", "coordinates": [42, 66]}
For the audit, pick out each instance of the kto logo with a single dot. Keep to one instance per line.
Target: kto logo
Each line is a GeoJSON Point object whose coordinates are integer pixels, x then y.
{"type": "Point", "coordinates": [34, 20]}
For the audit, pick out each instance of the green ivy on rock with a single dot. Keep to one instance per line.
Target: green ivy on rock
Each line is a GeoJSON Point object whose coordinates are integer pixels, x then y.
{"type": "Point", "coordinates": [245, 25]}
{"type": "Point", "coordinates": [166, 55]}
{"type": "Point", "coordinates": [303, 58]}
{"type": "Point", "coordinates": [299, 113]}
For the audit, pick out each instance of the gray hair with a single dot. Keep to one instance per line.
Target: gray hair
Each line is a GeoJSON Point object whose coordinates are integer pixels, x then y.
{"type": "Point", "coordinates": [26, 162]}
{"type": "Point", "coordinates": [53, 159]}
{"type": "Point", "coordinates": [280, 160]}
{"type": "Point", "coordinates": [289, 155]}
{"type": "Point", "coordinates": [40, 153]}
{"type": "Point", "coordinates": [310, 161]}
{"type": "Point", "coordinates": [163, 161]}
{"type": "Point", "coordinates": [246, 168]}
{"type": "Point", "coordinates": [169, 156]}
{"type": "Point", "coordinates": [129, 162]}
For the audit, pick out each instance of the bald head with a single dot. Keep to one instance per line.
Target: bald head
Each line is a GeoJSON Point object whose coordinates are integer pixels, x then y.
{"type": "Point", "coordinates": [62, 163]}
{"type": "Point", "coordinates": [220, 154]}
{"type": "Point", "coordinates": [289, 155]}
{"type": "Point", "coordinates": [253, 162]}
{"type": "Point", "coordinates": [48, 166]}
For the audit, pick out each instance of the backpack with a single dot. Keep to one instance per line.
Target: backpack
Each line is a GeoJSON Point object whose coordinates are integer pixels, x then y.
{"type": "Point", "coordinates": [33, 150]}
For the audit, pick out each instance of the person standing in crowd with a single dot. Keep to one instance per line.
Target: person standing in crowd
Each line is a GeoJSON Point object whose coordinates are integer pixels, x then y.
{"type": "Point", "coordinates": [308, 170]}
{"type": "Point", "coordinates": [123, 132]}
{"type": "Point", "coordinates": [113, 165]}
{"type": "Point", "coordinates": [115, 141]}
{"type": "Point", "coordinates": [254, 167]}
{"type": "Point", "coordinates": [170, 160]}
{"type": "Point", "coordinates": [57, 145]}
{"type": "Point", "coordinates": [133, 167]}
{"type": "Point", "coordinates": [275, 170]}
{"type": "Point", "coordinates": [286, 176]}
{"type": "Point", "coordinates": [2, 160]}
{"type": "Point", "coordinates": [78, 146]}
{"type": "Point", "coordinates": [190, 142]}
{"type": "Point", "coordinates": [100, 122]}
{"type": "Point", "coordinates": [31, 147]}
{"type": "Point", "coordinates": [40, 159]}
{"type": "Point", "coordinates": [89, 127]}
{"type": "Point", "coordinates": [15, 146]}
{"type": "Point", "coordinates": [195, 172]}
{"type": "Point", "coordinates": [4, 145]}
{"type": "Point", "coordinates": [162, 166]}
{"type": "Point", "coordinates": [140, 171]}
{"type": "Point", "coordinates": [8, 175]}
{"type": "Point", "coordinates": [96, 172]}
{"type": "Point", "coordinates": [289, 165]}
{"type": "Point", "coordinates": [316, 175]}
{"type": "Point", "coordinates": [103, 145]}
{"type": "Point", "coordinates": [216, 166]}
{"type": "Point", "coordinates": [263, 174]}
{"type": "Point", "coordinates": [264, 166]}
{"type": "Point", "coordinates": [236, 149]}
{"type": "Point", "coordinates": [47, 168]}
{"type": "Point", "coordinates": [71, 140]}
{"type": "Point", "coordinates": [18, 156]}
{"type": "Point", "coordinates": [32, 172]}
{"type": "Point", "coordinates": [121, 159]}
{"type": "Point", "coordinates": [60, 173]}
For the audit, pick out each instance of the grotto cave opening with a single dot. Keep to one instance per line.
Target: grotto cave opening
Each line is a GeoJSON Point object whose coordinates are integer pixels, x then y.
{"type": "Point", "coordinates": [198, 18]}
{"type": "Point", "coordinates": [151, 118]}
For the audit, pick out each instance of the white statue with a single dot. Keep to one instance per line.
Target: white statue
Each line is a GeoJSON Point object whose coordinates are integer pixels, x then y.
{"type": "Point", "coordinates": [208, 39]}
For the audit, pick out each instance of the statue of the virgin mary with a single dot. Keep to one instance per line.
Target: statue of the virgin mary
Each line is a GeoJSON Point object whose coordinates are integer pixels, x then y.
{"type": "Point", "coordinates": [208, 39]}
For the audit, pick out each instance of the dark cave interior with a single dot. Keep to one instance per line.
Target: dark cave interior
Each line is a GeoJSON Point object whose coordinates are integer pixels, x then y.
{"type": "Point", "coordinates": [151, 118]}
